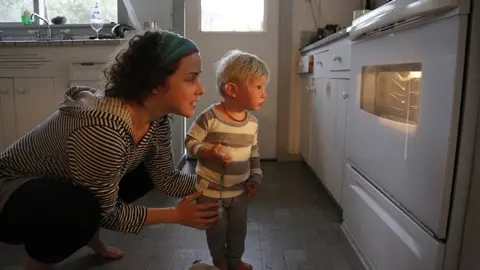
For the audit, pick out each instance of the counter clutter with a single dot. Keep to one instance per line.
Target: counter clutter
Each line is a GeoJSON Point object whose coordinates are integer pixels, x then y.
{"type": "Point", "coordinates": [327, 39]}
{"type": "Point", "coordinates": [74, 42]}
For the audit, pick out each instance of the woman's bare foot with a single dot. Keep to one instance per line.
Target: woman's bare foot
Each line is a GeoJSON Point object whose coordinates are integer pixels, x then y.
{"type": "Point", "coordinates": [244, 266]}
{"type": "Point", "coordinates": [110, 253]}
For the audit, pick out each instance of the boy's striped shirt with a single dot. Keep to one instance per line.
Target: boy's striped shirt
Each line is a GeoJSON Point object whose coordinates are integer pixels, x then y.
{"type": "Point", "coordinates": [240, 143]}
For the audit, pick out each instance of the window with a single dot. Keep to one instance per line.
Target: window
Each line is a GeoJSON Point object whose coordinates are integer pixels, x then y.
{"type": "Point", "coordinates": [392, 91]}
{"type": "Point", "coordinates": [76, 11]}
{"type": "Point", "coordinates": [11, 10]}
{"type": "Point", "coordinates": [232, 15]}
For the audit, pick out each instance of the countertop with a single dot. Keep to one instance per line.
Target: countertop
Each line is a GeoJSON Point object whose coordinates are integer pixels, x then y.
{"type": "Point", "coordinates": [56, 43]}
{"type": "Point", "coordinates": [326, 40]}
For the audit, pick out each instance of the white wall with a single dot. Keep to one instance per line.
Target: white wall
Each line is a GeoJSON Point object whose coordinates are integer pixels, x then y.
{"type": "Point", "coordinates": [161, 11]}
{"type": "Point", "coordinates": [326, 12]}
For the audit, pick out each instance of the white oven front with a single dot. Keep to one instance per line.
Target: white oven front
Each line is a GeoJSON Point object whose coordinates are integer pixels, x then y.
{"type": "Point", "coordinates": [402, 117]}
{"type": "Point", "coordinates": [399, 11]}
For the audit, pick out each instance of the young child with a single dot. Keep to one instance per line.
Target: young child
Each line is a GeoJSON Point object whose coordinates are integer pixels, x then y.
{"type": "Point", "coordinates": [224, 139]}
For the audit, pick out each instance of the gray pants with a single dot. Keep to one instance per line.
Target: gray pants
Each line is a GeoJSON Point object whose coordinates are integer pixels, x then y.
{"type": "Point", "coordinates": [226, 238]}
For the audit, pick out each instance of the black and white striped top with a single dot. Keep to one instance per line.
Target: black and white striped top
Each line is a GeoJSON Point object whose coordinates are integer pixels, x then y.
{"type": "Point", "coordinates": [89, 141]}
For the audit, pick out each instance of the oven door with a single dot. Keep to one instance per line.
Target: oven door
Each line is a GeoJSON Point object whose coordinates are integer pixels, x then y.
{"type": "Point", "coordinates": [403, 117]}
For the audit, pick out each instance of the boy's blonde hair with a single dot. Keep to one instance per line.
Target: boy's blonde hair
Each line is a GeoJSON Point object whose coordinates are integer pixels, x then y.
{"type": "Point", "coordinates": [239, 67]}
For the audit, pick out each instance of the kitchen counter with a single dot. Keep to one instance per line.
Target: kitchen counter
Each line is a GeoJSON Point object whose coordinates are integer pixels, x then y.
{"type": "Point", "coordinates": [57, 43]}
{"type": "Point", "coordinates": [326, 40]}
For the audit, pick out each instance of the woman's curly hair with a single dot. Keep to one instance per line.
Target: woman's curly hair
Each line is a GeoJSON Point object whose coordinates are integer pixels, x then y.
{"type": "Point", "coordinates": [139, 67]}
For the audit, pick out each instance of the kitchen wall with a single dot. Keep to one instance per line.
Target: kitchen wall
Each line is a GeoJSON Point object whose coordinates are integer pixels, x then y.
{"type": "Point", "coordinates": [303, 19]}
{"type": "Point", "coordinates": [295, 16]}
{"type": "Point", "coordinates": [162, 12]}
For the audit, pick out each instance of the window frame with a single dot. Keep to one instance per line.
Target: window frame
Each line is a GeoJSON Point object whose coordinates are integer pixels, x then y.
{"type": "Point", "coordinates": [122, 17]}
{"type": "Point", "coordinates": [262, 32]}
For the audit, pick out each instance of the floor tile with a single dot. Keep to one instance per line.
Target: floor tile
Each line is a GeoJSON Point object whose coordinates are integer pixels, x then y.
{"type": "Point", "coordinates": [294, 225]}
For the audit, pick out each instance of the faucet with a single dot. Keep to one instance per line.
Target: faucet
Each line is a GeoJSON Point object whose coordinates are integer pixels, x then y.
{"type": "Point", "coordinates": [49, 30]}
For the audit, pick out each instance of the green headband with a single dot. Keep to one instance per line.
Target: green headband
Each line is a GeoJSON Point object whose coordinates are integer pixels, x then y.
{"type": "Point", "coordinates": [175, 47]}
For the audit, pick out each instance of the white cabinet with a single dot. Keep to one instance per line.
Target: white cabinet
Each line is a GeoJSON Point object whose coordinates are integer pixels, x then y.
{"type": "Point", "coordinates": [316, 156]}
{"type": "Point", "coordinates": [335, 181]}
{"type": "Point", "coordinates": [25, 103]}
{"type": "Point", "coordinates": [329, 133]}
{"type": "Point", "coordinates": [34, 102]}
{"type": "Point", "coordinates": [323, 113]}
{"type": "Point", "coordinates": [307, 89]}
{"type": "Point", "coordinates": [7, 113]}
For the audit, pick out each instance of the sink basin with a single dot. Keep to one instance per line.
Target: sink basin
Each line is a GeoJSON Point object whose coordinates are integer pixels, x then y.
{"type": "Point", "coordinates": [46, 39]}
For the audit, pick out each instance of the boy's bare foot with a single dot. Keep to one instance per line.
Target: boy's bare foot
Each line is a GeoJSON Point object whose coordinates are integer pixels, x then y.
{"type": "Point", "coordinates": [244, 266]}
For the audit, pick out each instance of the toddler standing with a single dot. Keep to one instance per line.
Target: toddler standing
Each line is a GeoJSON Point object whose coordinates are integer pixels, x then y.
{"type": "Point", "coordinates": [224, 139]}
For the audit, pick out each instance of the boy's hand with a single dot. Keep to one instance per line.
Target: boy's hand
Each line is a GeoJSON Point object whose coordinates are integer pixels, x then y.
{"type": "Point", "coordinates": [214, 152]}
{"type": "Point", "coordinates": [252, 189]}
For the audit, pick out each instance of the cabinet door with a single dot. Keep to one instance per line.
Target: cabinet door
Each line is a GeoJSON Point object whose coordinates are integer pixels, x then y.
{"type": "Point", "coordinates": [34, 102]}
{"type": "Point", "coordinates": [336, 183]}
{"type": "Point", "coordinates": [306, 119]}
{"type": "Point", "coordinates": [7, 113]}
{"type": "Point", "coordinates": [318, 156]}
{"type": "Point", "coordinates": [327, 130]}
{"type": "Point", "coordinates": [97, 84]}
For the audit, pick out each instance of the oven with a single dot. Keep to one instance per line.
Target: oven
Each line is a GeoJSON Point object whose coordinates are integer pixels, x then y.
{"type": "Point", "coordinates": [402, 121]}
{"type": "Point", "coordinates": [394, 12]}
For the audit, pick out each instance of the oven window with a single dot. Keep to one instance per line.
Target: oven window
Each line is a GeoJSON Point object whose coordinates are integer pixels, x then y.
{"type": "Point", "coordinates": [392, 91]}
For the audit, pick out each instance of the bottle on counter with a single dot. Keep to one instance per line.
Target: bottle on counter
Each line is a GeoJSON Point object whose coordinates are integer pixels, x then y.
{"type": "Point", "coordinates": [25, 14]}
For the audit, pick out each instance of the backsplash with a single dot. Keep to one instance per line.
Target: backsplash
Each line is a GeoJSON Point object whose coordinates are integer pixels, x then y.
{"type": "Point", "coordinates": [22, 33]}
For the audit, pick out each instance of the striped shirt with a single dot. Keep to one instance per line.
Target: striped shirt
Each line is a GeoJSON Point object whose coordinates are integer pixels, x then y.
{"type": "Point", "coordinates": [89, 141]}
{"type": "Point", "coordinates": [240, 143]}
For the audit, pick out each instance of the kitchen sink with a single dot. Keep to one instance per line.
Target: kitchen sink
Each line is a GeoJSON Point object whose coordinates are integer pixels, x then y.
{"type": "Point", "coordinates": [46, 39]}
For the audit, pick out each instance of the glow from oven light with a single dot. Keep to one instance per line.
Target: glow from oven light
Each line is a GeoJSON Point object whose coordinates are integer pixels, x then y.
{"type": "Point", "coordinates": [415, 74]}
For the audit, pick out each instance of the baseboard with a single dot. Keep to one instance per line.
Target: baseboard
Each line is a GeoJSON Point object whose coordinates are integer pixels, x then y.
{"type": "Point", "coordinates": [290, 158]}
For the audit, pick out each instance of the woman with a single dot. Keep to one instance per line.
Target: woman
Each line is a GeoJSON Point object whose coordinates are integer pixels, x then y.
{"type": "Point", "coordinates": [81, 168]}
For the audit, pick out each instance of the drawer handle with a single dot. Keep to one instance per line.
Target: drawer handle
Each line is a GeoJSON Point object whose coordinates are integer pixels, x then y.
{"type": "Point", "coordinates": [336, 58]}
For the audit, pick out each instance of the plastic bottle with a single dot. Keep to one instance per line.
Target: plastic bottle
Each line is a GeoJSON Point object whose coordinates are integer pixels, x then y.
{"type": "Point", "coordinates": [25, 14]}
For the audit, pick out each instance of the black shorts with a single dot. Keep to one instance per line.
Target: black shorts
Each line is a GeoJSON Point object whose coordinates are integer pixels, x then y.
{"type": "Point", "coordinates": [54, 219]}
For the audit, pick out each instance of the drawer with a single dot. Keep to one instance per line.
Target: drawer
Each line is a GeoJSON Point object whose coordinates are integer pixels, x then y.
{"type": "Point", "coordinates": [340, 55]}
{"type": "Point", "coordinates": [320, 64]}
{"type": "Point", "coordinates": [386, 237]}
{"type": "Point", "coordinates": [86, 71]}
{"type": "Point", "coordinates": [305, 64]}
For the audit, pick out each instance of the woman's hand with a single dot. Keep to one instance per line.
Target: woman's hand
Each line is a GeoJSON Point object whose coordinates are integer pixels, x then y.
{"type": "Point", "coordinates": [200, 216]}
{"type": "Point", "coordinates": [216, 152]}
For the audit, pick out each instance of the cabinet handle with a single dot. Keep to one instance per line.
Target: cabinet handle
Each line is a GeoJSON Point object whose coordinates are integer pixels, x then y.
{"type": "Point", "coordinates": [319, 63]}
{"type": "Point", "coordinates": [336, 57]}
{"type": "Point", "coordinates": [345, 95]}
{"type": "Point", "coordinates": [21, 90]}
{"type": "Point", "coordinates": [3, 91]}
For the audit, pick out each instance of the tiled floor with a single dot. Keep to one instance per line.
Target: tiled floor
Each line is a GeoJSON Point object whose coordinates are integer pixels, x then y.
{"type": "Point", "coordinates": [293, 225]}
